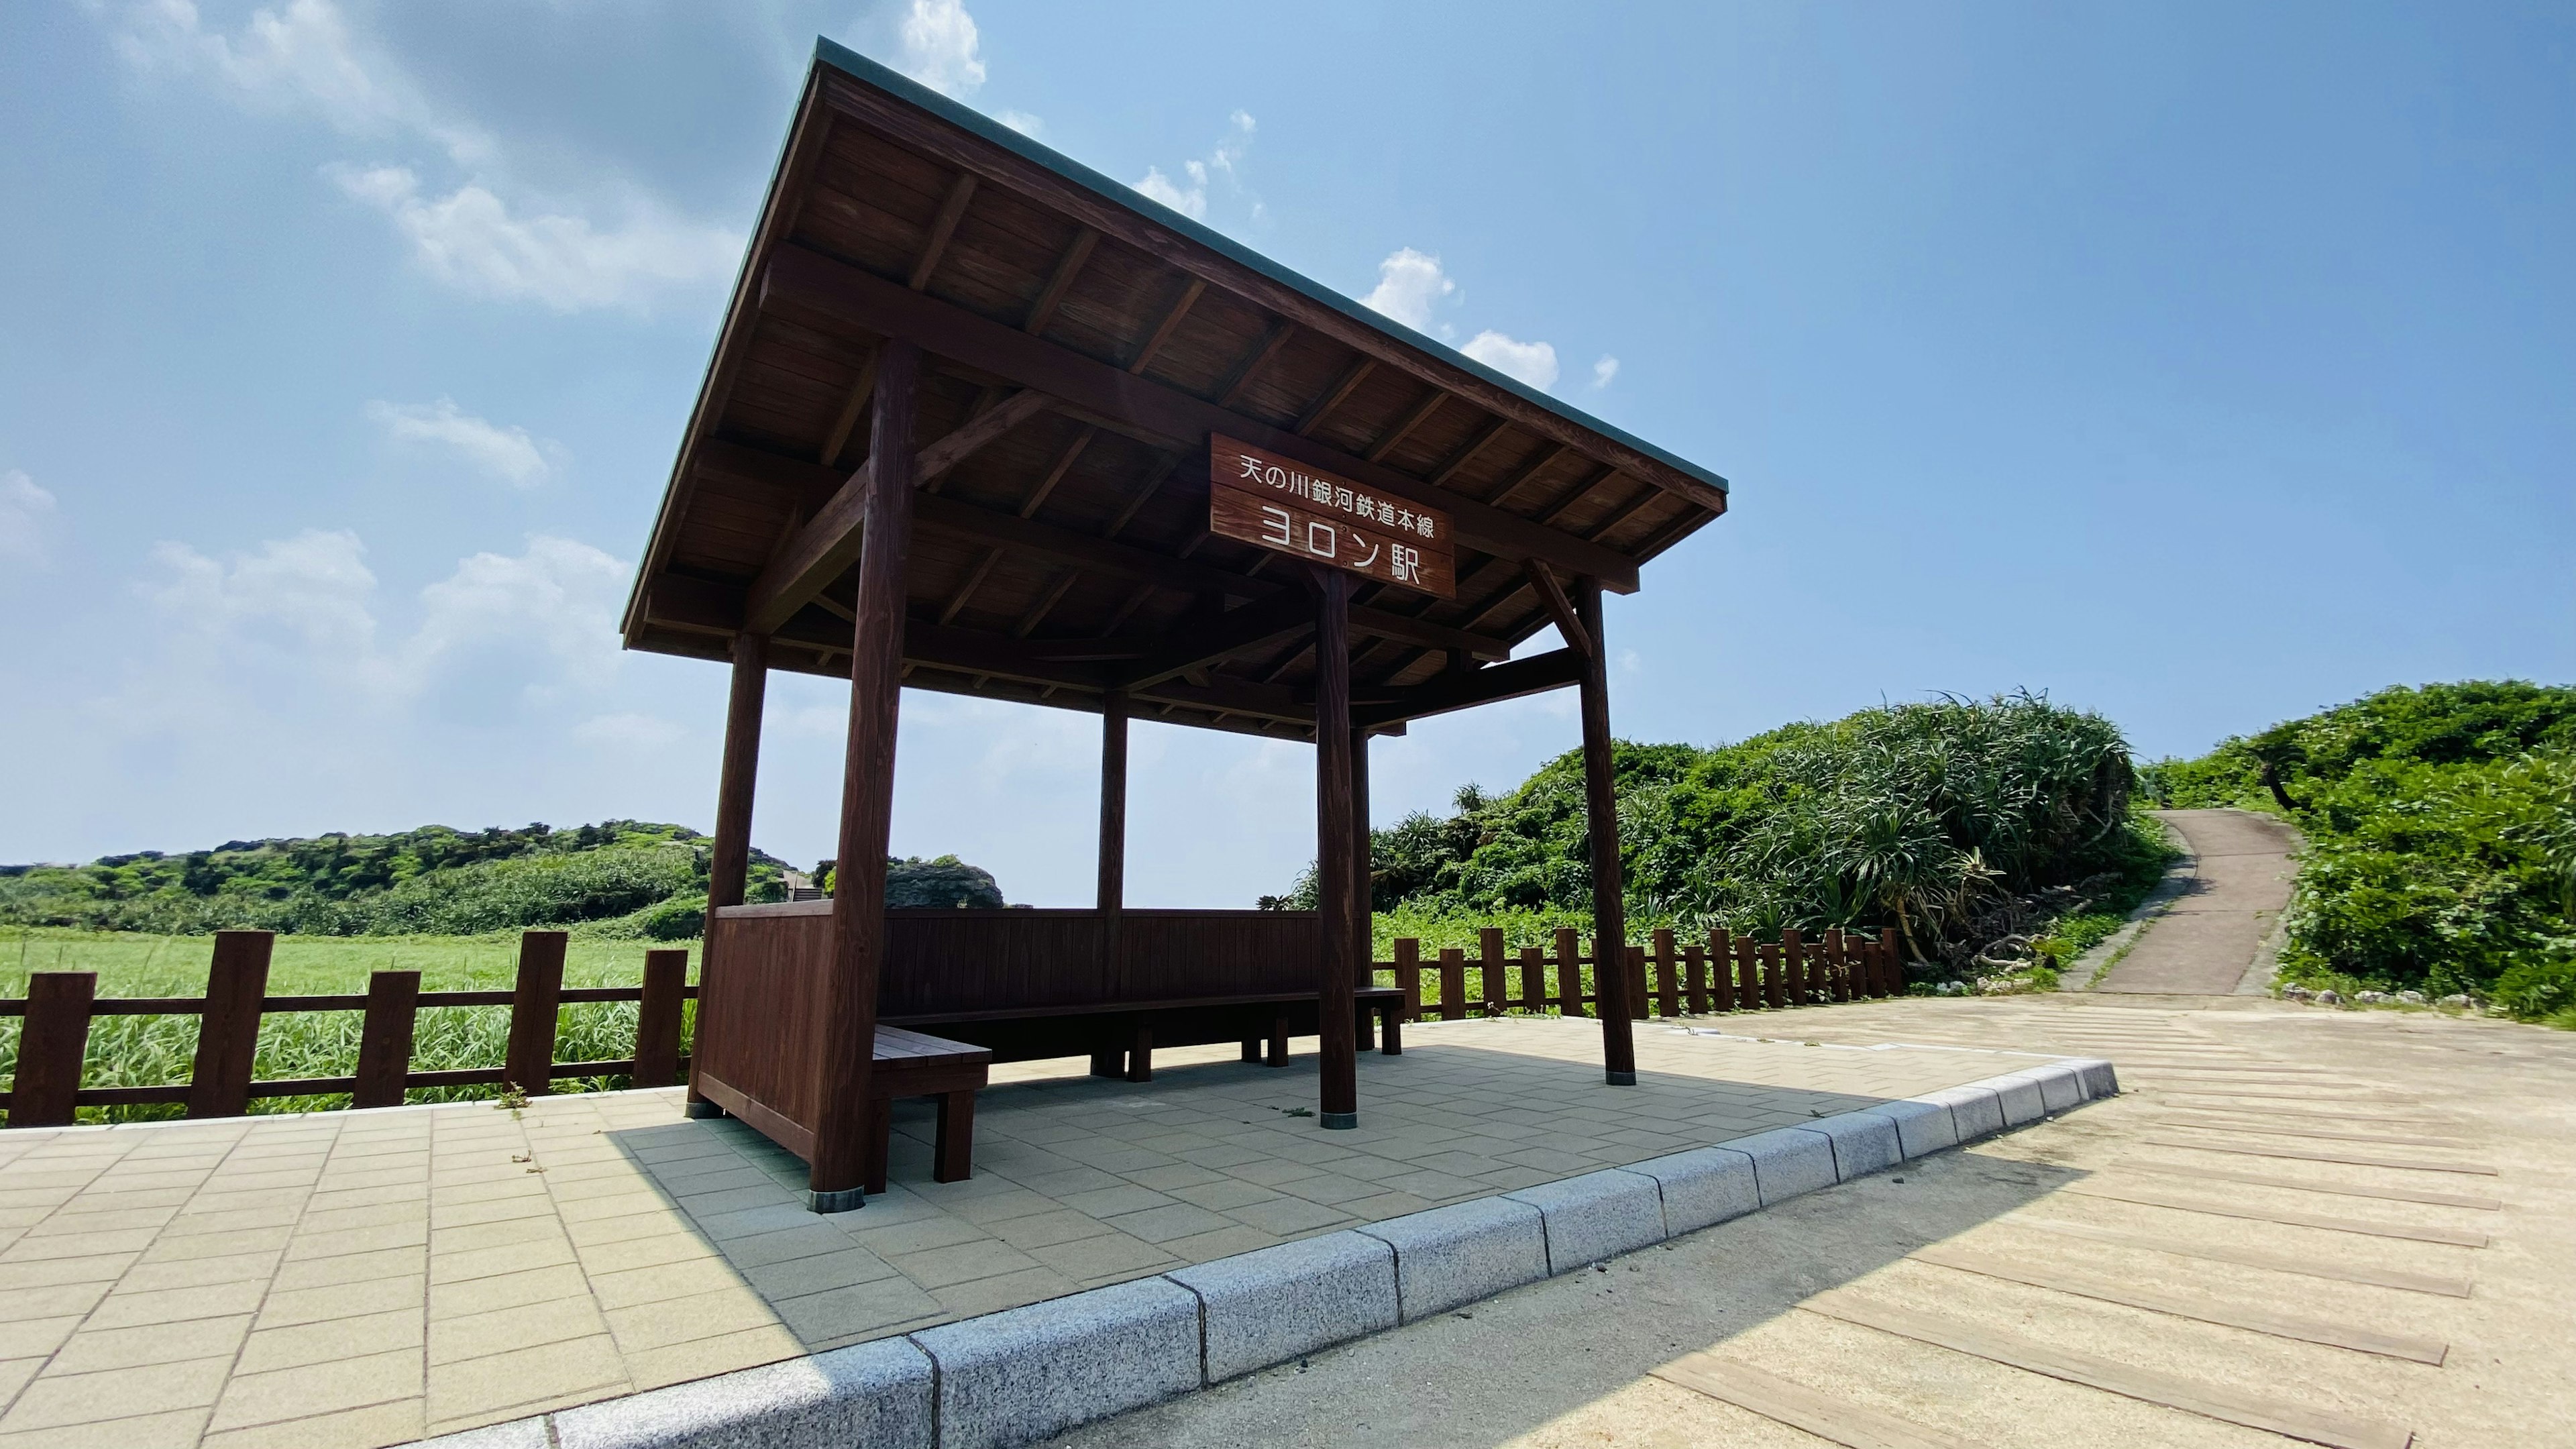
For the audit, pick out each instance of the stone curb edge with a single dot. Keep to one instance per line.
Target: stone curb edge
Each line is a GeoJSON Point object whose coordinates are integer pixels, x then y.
{"type": "Point", "coordinates": [1023, 1374]}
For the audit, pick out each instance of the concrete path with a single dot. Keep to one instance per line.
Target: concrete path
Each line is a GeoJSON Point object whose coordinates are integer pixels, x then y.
{"type": "Point", "coordinates": [2341, 1227]}
{"type": "Point", "coordinates": [2205, 941]}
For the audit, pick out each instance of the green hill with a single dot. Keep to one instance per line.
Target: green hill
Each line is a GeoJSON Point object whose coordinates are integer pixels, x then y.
{"type": "Point", "coordinates": [2441, 827]}
{"type": "Point", "coordinates": [618, 878]}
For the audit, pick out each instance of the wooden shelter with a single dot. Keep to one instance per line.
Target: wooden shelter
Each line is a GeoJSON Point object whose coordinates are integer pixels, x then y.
{"type": "Point", "coordinates": [982, 420]}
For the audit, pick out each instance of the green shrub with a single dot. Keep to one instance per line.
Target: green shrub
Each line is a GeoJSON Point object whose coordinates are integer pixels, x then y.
{"type": "Point", "coordinates": [2537, 990]}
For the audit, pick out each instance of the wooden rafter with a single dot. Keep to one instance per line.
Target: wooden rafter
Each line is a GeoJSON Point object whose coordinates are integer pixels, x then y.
{"type": "Point", "coordinates": [1343, 386]}
{"type": "Point", "coordinates": [1453, 690]}
{"type": "Point", "coordinates": [1067, 268]}
{"type": "Point", "coordinates": [1485, 436]}
{"type": "Point", "coordinates": [837, 440]}
{"type": "Point", "coordinates": [1171, 322]}
{"type": "Point", "coordinates": [1561, 608]}
{"type": "Point", "coordinates": [1512, 481]}
{"type": "Point", "coordinates": [1271, 341]}
{"type": "Point", "coordinates": [942, 228]}
{"type": "Point", "coordinates": [1395, 436]}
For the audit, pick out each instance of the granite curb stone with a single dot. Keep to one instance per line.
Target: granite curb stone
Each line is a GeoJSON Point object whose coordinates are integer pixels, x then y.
{"type": "Point", "coordinates": [1922, 1128]}
{"type": "Point", "coordinates": [2061, 1087]}
{"type": "Point", "coordinates": [1863, 1143]}
{"type": "Point", "coordinates": [1025, 1373]}
{"type": "Point", "coordinates": [1975, 1110]}
{"type": "Point", "coordinates": [1788, 1162]}
{"type": "Point", "coordinates": [2018, 1094]}
{"type": "Point", "coordinates": [870, 1393]}
{"type": "Point", "coordinates": [1703, 1187]}
{"type": "Point", "coordinates": [1460, 1253]}
{"type": "Point", "coordinates": [1273, 1304]}
{"type": "Point", "coordinates": [2101, 1079]}
{"type": "Point", "coordinates": [1597, 1216]}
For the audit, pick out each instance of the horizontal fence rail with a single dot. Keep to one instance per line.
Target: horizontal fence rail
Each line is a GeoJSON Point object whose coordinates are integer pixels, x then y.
{"type": "Point", "coordinates": [60, 1005]}
{"type": "Point", "coordinates": [1723, 973]}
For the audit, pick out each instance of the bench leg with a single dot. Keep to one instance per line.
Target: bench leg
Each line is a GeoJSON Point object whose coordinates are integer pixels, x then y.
{"type": "Point", "coordinates": [1367, 1041]}
{"type": "Point", "coordinates": [1110, 1063]}
{"type": "Point", "coordinates": [955, 1161]}
{"type": "Point", "coordinates": [1278, 1041]}
{"type": "Point", "coordinates": [1394, 1031]}
{"type": "Point", "coordinates": [1252, 1049]}
{"type": "Point", "coordinates": [880, 1139]}
{"type": "Point", "coordinates": [1140, 1056]}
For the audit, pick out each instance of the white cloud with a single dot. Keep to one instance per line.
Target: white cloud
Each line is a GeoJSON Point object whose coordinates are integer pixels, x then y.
{"type": "Point", "coordinates": [557, 601]}
{"type": "Point", "coordinates": [1408, 283]}
{"type": "Point", "coordinates": [1604, 370]}
{"type": "Point", "coordinates": [1024, 123]}
{"type": "Point", "coordinates": [508, 454]}
{"type": "Point", "coordinates": [470, 240]}
{"type": "Point", "coordinates": [310, 593]}
{"type": "Point", "coordinates": [26, 518]}
{"type": "Point", "coordinates": [1532, 362]}
{"type": "Point", "coordinates": [939, 43]}
{"type": "Point", "coordinates": [1191, 200]}
{"type": "Point", "coordinates": [301, 57]}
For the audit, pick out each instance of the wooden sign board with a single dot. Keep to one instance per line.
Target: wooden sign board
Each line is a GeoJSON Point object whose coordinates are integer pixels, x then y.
{"type": "Point", "coordinates": [1306, 513]}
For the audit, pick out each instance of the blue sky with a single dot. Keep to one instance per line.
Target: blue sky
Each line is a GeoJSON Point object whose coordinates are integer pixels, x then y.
{"type": "Point", "coordinates": [2200, 364]}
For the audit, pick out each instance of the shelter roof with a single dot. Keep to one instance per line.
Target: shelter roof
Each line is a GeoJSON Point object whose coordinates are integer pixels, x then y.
{"type": "Point", "coordinates": [1080, 345]}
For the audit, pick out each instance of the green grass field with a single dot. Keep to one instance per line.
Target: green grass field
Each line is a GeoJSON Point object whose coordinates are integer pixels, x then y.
{"type": "Point", "coordinates": [140, 1051]}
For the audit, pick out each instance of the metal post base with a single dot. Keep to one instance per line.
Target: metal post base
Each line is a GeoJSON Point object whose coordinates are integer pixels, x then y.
{"type": "Point", "coordinates": [703, 1109]}
{"type": "Point", "coordinates": [1340, 1121]}
{"type": "Point", "coordinates": [1621, 1079]}
{"type": "Point", "coordinates": [848, 1199]}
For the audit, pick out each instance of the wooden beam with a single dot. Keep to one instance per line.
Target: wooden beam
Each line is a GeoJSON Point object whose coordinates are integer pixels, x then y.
{"type": "Point", "coordinates": [1337, 976]}
{"type": "Point", "coordinates": [1113, 801]}
{"type": "Point", "coordinates": [966, 591]}
{"type": "Point", "coordinates": [1343, 386]}
{"type": "Point", "coordinates": [802, 282]}
{"type": "Point", "coordinates": [942, 228]}
{"type": "Point", "coordinates": [1055, 474]}
{"type": "Point", "coordinates": [1067, 268]}
{"type": "Point", "coordinates": [1456, 690]}
{"type": "Point", "coordinates": [837, 440]}
{"type": "Point", "coordinates": [1485, 436]}
{"type": "Point", "coordinates": [1153, 484]}
{"type": "Point", "coordinates": [737, 779]}
{"type": "Point", "coordinates": [1543, 579]}
{"type": "Point", "coordinates": [1525, 472]}
{"type": "Point", "coordinates": [1601, 824]}
{"type": "Point", "coordinates": [1405, 425]}
{"type": "Point", "coordinates": [1283, 616]}
{"type": "Point", "coordinates": [826, 546]}
{"type": "Point", "coordinates": [1045, 605]}
{"type": "Point", "coordinates": [1111, 214]}
{"type": "Point", "coordinates": [1163, 330]}
{"type": "Point", "coordinates": [1271, 341]}
{"type": "Point", "coordinates": [1118, 560]}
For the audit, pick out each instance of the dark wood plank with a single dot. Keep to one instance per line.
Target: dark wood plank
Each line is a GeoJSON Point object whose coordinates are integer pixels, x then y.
{"type": "Point", "coordinates": [228, 1031]}
{"type": "Point", "coordinates": [385, 1038]}
{"type": "Point", "coordinates": [1489, 951]}
{"type": "Point", "coordinates": [534, 1004]}
{"type": "Point", "coordinates": [942, 227]}
{"type": "Point", "coordinates": [657, 1018]}
{"type": "Point", "coordinates": [1453, 984]}
{"type": "Point", "coordinates": [51, 1048]}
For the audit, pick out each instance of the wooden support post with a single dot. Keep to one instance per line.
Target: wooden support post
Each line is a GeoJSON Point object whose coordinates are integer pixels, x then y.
{"type": "Point", "coordinates": [1140, 1055]}
{"type": "Point", "coordinates": [1721, 959]}
{"type": "Point", "coordinates": [1749, 995]}
{"type": "Point", "coordinates": [1569, 972]}
{"type": "Point", "coordinates": [955, 1139]}
{"type": "Point", "coordinates": [1339, 894]}
{"type": "Point", "coordinates": [1601, 819]}
{"type": "Point", "coordinates": [1408, 975]}
{"type": "Point", "coordinates": [1489, 950]}
{"type": "Point", "coordinates": [534, 1003]}
{"type": "Point", "coordinates": [657, 1018]}
{"type": "Point", "coordinates": [729, 860]}
{"type": "Point", "coordinates": [1793, 966]}
{"type": "Point", "coordinates": [228, 1031]}
{"type": "Point", "coordinates": [1533, 980]}
{"type": "Point", "coordinates": [1637, 994]}
{"type": "Point", "coordinates": [1278, 1056]}
{"type": "Point", "coordinates": [1453, 984]}
{"type": "Point", "coordinates": [1891, 975]}
{"type": "Point", "coordinates": [1113, 800]}
{"type": "Point", "coordinates": [1110, 1063]}
{"type": "Point", "coordinates": [51, 1047]}
{"type": "Point", "coordinates": [1252, 1049]}
{"type": "Point", "coordinates": [1667, 974]}
{"type": "Point", "coordinates": [1363, 870]}
{"type": "Point", "coordinates": [385, 1037]}
{"type": "Point", "coordinates": [846, 1046]}
{"type": "Point", "coordinates": [1774, 991]}
{"type": "Point", "coordinates": [1695, 979]}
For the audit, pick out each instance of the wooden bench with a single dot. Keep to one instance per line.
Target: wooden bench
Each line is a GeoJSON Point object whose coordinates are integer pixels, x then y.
{"type": "Point", "coordinates": [912, 1064]}
{"type": "Point", "coordinates": [1120, 1036]}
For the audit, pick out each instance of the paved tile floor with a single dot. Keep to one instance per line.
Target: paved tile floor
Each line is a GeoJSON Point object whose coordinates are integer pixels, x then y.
{"type": "Point", "coordinates": [359, 1279]}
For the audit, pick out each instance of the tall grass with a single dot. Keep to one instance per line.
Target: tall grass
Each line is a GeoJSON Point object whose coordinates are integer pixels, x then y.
{"type": "Point", "coordinates": [146, 1051]}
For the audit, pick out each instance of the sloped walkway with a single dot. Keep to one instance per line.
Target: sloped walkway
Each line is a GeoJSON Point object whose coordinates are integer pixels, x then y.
{"type": "Point", "coordinates": [2204, 942]}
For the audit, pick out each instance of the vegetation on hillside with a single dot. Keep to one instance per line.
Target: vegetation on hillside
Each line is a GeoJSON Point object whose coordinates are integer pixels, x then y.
{"type": "Point", "coordinates": [620, 879]}
{"type": "Point", "coordinates": [1967, 827]}
{"type": "Point", "coordinates": [2441, 826]}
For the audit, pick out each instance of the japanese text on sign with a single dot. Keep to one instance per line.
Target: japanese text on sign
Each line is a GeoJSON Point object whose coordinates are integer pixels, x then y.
{"type": "Point", "coordinates": [1280, 505]}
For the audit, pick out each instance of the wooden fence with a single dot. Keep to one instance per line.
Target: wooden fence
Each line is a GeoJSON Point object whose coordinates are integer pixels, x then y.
{"type": "Point", "coordinates": [60, 1005]}
{"type": "Point", "coordinates": [1722, 973]}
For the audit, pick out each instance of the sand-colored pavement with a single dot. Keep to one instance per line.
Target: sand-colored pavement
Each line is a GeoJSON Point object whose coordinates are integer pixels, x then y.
{"type": "Point", "coordinates": [2202, 943]}
{"type": "Point", "coordinates": [2274, 1225]}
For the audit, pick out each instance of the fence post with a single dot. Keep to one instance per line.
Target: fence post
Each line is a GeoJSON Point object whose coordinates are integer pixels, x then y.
{"type": "Point", "coordinates": [1721, 961]}
{"type": "Point", "coordinates": [228, 1029]}
{"type": "Point", "coordinates": [1408, 974]}
{"type": "Point", "coordinates": [1793, 965]}
{"type": "Point", "coordinates": [1773, 996]}
{"type": "Point", "coordinates": [657, 1021]}
{"type": "Point", "coordinates": [1667, 974]}
{"type": "Point", "coordinates": [1695, 986]}
{"type": "Point", "coordinates": [1837, 984]}
{"type": "Point", "coordinates": [1453, 984]}
{"type": "Point", "coordinates": [1569, 973]}
{"type": "Point", "coordinates": [1498, 990]}
{"type": "Point", "coordinates": [385, 1038]}
{"type": "Point", "coordinates": [533, 1004]}
{"type": "Point", "coordinates": [1533, 980]}
{"type": "Point", "coordinates": [1891, 977]}
{"type": "Point", "coordinates": [51, 1047]}
{"type": "Point", "coordinates": [1635, 957]}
